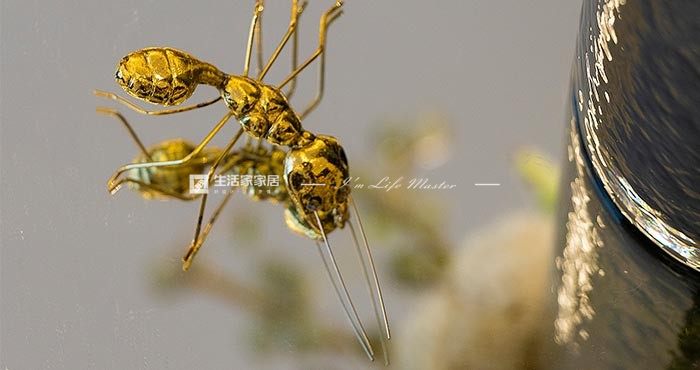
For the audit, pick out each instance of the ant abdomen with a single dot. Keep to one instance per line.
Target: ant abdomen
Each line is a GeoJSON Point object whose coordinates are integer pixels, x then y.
{"type": "Point", "coordinates": [164, 76]}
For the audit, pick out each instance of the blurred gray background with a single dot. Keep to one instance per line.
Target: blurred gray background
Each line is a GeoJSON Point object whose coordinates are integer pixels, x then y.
{"type": "Point", "coordinates": [75, 261]}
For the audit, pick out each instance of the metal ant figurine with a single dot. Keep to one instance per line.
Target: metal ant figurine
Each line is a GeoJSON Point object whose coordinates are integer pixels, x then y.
{"type": "Point", "coordinates": [314, 168]}
{"type": "Point", "coordinates": [173, 182]}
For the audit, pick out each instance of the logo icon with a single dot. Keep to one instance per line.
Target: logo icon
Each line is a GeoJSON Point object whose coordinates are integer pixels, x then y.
{"type": "Point", "coordinates": [199, 184]}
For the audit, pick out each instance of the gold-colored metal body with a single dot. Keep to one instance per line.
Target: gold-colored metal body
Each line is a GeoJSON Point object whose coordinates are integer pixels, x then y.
{"type": "Point", "coordinates": [314, 167]}
{"type": "Point", "coordinates": [259, 161]}
{"type": "Point", "coordinates": [174, 179]}
{"type": "Point", "coordinates": [316, 177]}
{"type": "Point", "coordinates": [164, 76]}
{"type": "Point", "coordinates": [173, 182]}
{"type": "Point", "coordinates": [167, 76]}
{"type": "Point", "coordinates": [162, 182]}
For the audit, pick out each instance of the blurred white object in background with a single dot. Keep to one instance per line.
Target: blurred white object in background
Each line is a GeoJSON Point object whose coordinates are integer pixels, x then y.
{"type": "Point", "coordinates": [487, 312]}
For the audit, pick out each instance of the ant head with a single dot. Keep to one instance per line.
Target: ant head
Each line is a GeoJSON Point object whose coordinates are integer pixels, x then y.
{"type": "Point", "coordinates": [146, 74]}
{"type": "Point", "coordinates": [316, 177]}
{"type": "Point", "coordinates": [240, 94]}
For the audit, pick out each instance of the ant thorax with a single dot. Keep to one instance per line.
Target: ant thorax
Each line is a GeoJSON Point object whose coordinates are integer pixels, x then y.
{"type": "Point", "coordinates": [241, 95]}
{"type": "Point", "coordinates": [263, 111]}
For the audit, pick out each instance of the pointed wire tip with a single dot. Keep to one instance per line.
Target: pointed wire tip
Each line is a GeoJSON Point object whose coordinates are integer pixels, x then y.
{"type": "Point", "coordinates": [112, 189]}
{"type": "Point", "coordinates": [186, 265]}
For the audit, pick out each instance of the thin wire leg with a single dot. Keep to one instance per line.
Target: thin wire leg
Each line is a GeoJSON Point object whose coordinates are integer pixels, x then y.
{"type": "Point", "coordinates": [295, 57]}
{"type": "Point", "coordinates": [321, 84]}
{"type": "Point", "coordinates": [196, 242]}
{"type": "Point", "coordinates": [257, 12]}
{"type": "Point", "coordinates": [132, 133]}
{"type": "Point", "coordinates": [111, 183]}
{"type": "Point", "coordinates": [368, 251]}
{"type": "Point", "coordinates": [296, 12]}
{"type": "Point", "coordinates": [326, 19]}
{"type": "Point", "coordinates": [194, 248]}
{"type": "Point", "coordinates": [166, 191]}
{"type": "Point", "coordinates": [321, 67]}
{"type": "Point", "coordinates": [138, 109]}
{"type": "Point", "coordinates": [343, 295]}
{"type": "Point", "coordinates": [159, 189]}
{"type": "Point", "coordinates": [259, 43]}
{"type": "Point", "coordinates": [375, 306]}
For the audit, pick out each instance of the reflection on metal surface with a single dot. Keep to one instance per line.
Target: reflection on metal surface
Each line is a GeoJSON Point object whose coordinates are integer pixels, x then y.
{"type": "Point", "coordinates": [579, 261]}
{"type": "Point", "coordinates": [653, 212]}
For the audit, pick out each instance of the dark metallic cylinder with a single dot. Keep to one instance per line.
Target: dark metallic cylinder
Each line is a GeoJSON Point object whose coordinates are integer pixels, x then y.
{"type": "Point", "coordinates": [626, 287]}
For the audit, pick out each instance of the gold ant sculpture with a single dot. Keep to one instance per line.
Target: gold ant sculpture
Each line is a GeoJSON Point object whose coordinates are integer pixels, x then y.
{"type": "Point", "coordinates": [314, 169]}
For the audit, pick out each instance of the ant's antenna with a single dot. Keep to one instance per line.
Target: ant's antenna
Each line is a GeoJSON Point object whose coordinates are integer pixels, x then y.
{"type": "Point", "coordinates": [344, 297]}
{"type": "Point", "coordinates": [375, 290]}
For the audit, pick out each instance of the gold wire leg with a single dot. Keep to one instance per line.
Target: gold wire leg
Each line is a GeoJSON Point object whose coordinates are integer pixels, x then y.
{"type": "Point", "coordinates": [321, 69]}
{"type": "Point", "coordinates": [343, 295]}
{"type": "Point", "coordinates": [167, 191]}
{"type": "Point", "coordinates": [194, 247]}
{"type": "Point", "coordinates": [295, 54]}
{"type": "Point", "coordinates": [112, 187]}
{"type": "Point", "coordinates": [259, 43]}
{"type": "Point", "coordinates": [326, 19]}
{"type": "Point", "coordinates": [159, 189]}
{"type": "Point", "coordinates": [136, 108]}
{"type": "Point", "coordinates": [156, 188]}
{"type": "Point", "coordinates": [196, 242]}
{"type": "Point", "coordinates": [257, 13]}
{"type": "Point", "coordinates": [321, 83]}
{"type": "Point", "coordinates": [296, 12]}
{"type": "Point", "coordinates": [132, 133]}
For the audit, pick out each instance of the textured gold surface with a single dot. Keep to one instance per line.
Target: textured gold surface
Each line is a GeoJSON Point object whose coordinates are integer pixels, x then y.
{"type": "Point", "coordinates": [174, 178]}
{"type": "Point", "coordinates": [164, 76]}
{"type": "Point", "coordinates": [260, 162]}
{"type": "Point", "coordinates": [313, 168]}
{"type": "Point", "coordinates": [315, 176]}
